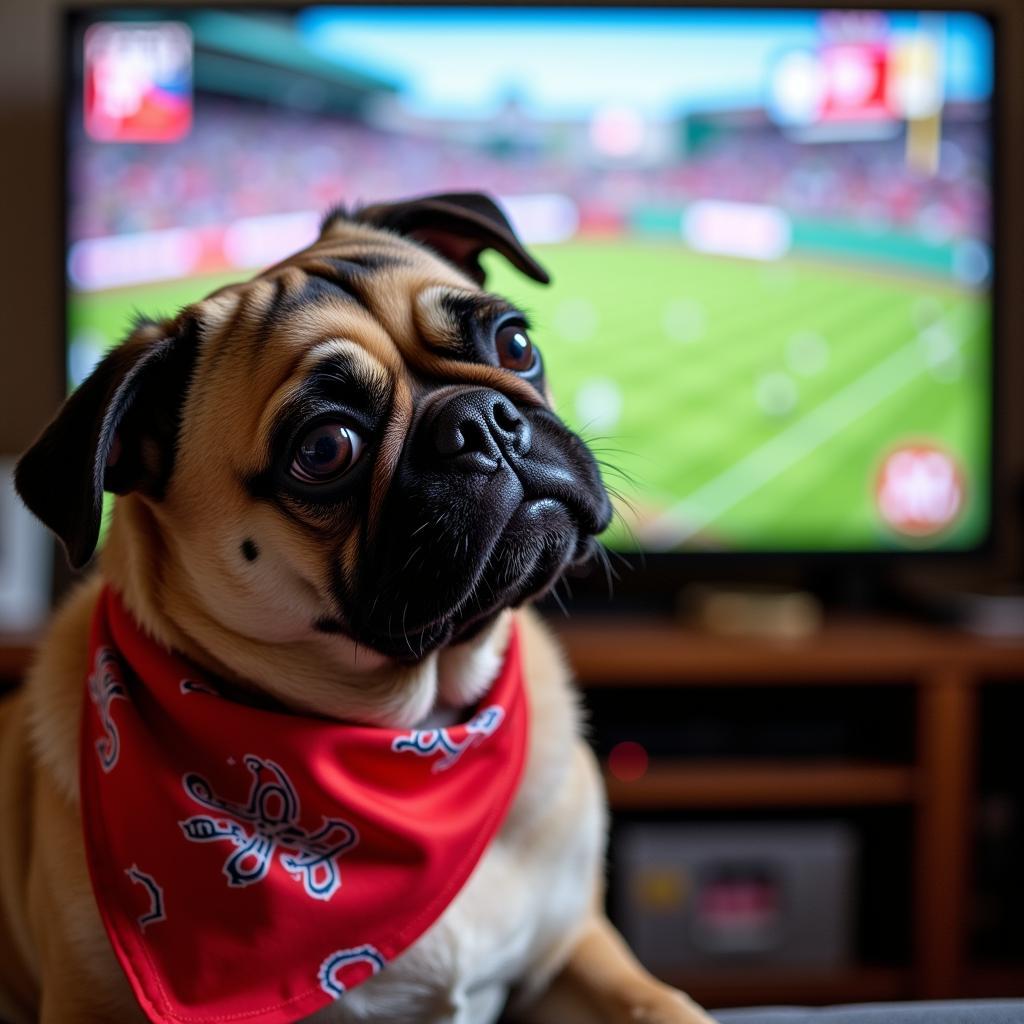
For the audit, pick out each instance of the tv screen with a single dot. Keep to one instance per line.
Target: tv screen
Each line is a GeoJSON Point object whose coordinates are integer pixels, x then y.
{"type": "Point", "coordinates": [769, 231]}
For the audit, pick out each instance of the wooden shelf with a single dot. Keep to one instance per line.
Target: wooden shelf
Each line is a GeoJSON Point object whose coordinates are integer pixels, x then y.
{"type": "Point", "coordinates": [680, 785]}
{"type": "Point", "coordinates": [807, 987]}
{"type": "Point", "coordinates": [615, 651]}
{"type": "Point", "coordinates": [944, 670]}
{"type": "Point", "coordinates": [609, 652]}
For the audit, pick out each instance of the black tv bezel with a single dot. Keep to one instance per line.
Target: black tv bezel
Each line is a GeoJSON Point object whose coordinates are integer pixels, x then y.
{"type": "Point", "coordinates": [660, 570]}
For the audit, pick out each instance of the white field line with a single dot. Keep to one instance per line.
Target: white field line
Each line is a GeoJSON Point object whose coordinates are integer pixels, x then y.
{"type": "Point", "coordinates": [701, 508]}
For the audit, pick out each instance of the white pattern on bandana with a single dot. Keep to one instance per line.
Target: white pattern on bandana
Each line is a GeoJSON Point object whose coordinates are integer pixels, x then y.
{"type": "Point", "coordinates": [331, 968]}
{"type": "Point", "coordinates": [273, 812]}
{"type": "Point", "coordinates": [105, 686]}
{"type": "Point", "coordinates": [156, 910]}
{"type": "Point", "coordinates": [427, 742]}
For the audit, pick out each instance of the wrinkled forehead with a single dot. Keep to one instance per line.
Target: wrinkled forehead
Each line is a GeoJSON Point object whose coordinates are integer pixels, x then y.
{"type": "Point", "coordinates": [360, 303]}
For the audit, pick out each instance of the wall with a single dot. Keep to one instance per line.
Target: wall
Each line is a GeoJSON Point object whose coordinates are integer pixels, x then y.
{"type": "Point", "coordinates": [29, 101]}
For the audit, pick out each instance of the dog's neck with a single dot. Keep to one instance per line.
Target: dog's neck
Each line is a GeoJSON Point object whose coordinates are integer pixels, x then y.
{"type": "Point", "coordinates": [327, 675]}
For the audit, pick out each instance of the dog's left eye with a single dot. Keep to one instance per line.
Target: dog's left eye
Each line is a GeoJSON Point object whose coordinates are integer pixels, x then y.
{"type": "Point", "coordinates": [325, 453]}
{"type": "Point", "coordinates": [515, 350]}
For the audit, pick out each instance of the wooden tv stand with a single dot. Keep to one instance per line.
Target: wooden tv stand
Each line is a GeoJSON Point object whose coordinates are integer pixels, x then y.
{"type": "Point", "coordinates": [946, 670]}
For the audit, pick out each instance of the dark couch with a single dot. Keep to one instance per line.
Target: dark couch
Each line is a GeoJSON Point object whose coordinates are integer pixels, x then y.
{"type": "Point", "coordinates": [982, 1012]}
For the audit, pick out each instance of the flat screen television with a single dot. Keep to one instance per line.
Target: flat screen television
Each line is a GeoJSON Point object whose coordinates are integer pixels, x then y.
{"type": "Point", "coordinates": [771, 231]}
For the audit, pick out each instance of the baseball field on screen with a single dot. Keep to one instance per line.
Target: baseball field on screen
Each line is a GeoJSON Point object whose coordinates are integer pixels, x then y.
{"type": "Point", "coordinates": [738, 404]}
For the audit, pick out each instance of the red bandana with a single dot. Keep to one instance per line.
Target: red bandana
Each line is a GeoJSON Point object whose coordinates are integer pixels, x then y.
{"type": "Point", "coordinates": [252, 865]}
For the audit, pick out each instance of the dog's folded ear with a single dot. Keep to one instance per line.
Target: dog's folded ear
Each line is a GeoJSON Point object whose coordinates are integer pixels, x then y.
{"type": "Point", "coordinates": [116, 432]}
{"type": "Point", "coordinates": [458, 226]}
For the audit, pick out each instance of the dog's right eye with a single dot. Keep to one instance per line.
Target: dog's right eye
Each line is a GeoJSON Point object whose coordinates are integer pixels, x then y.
{"type": "Point", "coordinates": [326, 452]}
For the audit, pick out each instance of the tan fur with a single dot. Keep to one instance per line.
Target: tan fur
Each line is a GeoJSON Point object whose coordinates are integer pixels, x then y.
{"type": "Point", "coordinates": [528, 920]}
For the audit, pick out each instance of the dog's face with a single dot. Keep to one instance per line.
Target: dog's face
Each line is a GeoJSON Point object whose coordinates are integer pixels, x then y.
{"type": "Point", "coordinates": [359, 441]}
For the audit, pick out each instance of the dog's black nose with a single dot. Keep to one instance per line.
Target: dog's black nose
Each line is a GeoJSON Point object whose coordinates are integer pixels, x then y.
{"type": "Point", "coordinates": [475, 430]}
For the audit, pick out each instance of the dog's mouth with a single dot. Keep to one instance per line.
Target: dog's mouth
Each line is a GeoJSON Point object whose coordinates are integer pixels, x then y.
{"type": "Point", "coordinates": [526, 557]}
{"type": "Point", "coordinates": [456, 548]}
{"type": "Point", "coordinates": [541, 541]}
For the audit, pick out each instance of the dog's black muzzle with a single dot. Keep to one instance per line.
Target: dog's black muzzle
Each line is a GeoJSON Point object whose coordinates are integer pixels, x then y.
{"type": "Point", "coordinates": [489, 505]}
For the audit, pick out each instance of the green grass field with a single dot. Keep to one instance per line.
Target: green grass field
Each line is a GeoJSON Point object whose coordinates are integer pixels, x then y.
{"type": "Point", "coordinates": [747, 405]}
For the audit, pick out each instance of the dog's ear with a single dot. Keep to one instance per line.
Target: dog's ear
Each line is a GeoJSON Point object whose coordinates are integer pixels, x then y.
{"type": "Point", "coordinates": [459, 226]}
{"type": "Point", "coordinates": [116, 432]}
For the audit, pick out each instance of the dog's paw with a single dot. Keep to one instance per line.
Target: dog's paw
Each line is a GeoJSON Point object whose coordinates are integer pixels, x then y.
{"type": "Point", "coordinates": [664, 1005]}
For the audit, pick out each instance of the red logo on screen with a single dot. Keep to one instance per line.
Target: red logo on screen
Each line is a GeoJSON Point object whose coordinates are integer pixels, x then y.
{"type": "Point", "coordinates": [856, 76]}
{"type": "Point", "coordinates": [919, 490]}
{"type": "Point", "coordinates": [138, 81]}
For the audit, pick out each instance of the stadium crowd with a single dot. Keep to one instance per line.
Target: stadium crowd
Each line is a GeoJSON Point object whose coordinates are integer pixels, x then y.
{"type": "Point", "coordinates": [241, 160]}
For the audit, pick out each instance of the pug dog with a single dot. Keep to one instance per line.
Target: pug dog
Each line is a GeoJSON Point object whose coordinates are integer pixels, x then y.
{"type": "Point", "coordinates": [338, 486]}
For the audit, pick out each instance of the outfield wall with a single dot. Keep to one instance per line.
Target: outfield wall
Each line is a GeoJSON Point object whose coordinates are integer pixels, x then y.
{"type": "Point", "coordinates": [967, 261]}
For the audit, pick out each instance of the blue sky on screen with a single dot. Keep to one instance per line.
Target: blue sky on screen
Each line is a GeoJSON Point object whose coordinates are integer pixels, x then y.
{"type": "Point", "coordinates": [565, 62]}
